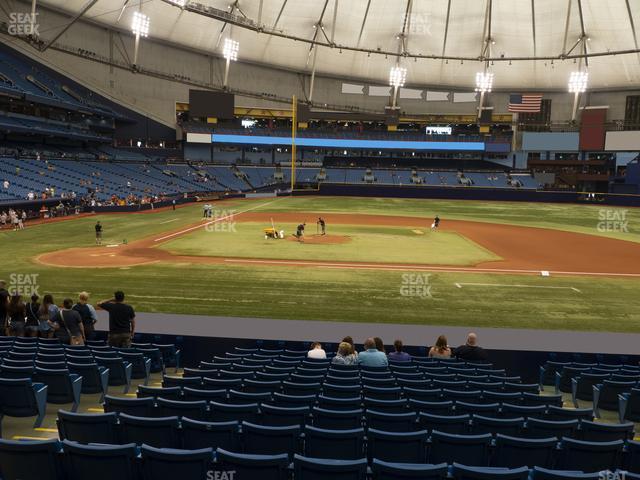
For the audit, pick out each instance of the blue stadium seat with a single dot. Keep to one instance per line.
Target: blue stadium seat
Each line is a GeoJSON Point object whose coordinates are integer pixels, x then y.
{"type": "Point", "coordinates": [423, 394]}
{"type": "Point", "coordinates": [527, 411]}
{"type": "Point", "coordinates": [62, 387]}
{"type": "Point", "coordinates": [582, 386]}
{"type": "Point", "coordinates": [391, 422]}
{"type": "Point", "coordinates": [535, 399]}
{"type": "Point", "coordinates": [283, 400]}
{"type": "Point", "coordinates": [340, 391]}
{"type": "Point", "coordinates": [539, 473]}
{"type": "Point", "coordinates": [261, 386]}
{"type": "Point", "coordinates": [293, 388]}
{"type": "Point", "coordinates": [138, 407]}
{"type": "Point", "coordinates": [632, 461]}
{"type": "Point", "coordinates": [564, 378]}
{"type": "Point", "coordinates": [197, 435]}
{"type": "Point", "coordinates": [171, 355]}
{"type": "Point", "coordinates": [505, 426]}
{"type": "Point", "coordinates": [386, 406]}
{"type": "Point", "coordinates": [338, 444]}
{"type": "Point", "coordinates": [157, 432]}
{"type": "Point", "coordinates": [590, 456]}
{"type": "Point", "coordinates": [438, 408]}
{"type": "Point", "coordinates": [454, 424]}
{"type": "Point", "coordinates": [320, 469]}
{"type": "Point", "coordinates": [196, 394]}
{"type": "Point", "coordinates": [406, 471]}
{"type": "Point", "coordinates": [629, 405]}
{"type": "Point", "coordinates": [462, 472]}
{"type": "Point", "coordinates": [236, 397]}
{"type": "Point", "coordinates": [88, 428]}
{"type": "Point", "coordinates": [548, 372]}
{"type": "Point", "coordinates": [557, 413]}
{"type": "Point", "coordinates": [332, 403]}
{"type": "Point", "coordinates": [9, 372]}
{"type": "Point", "coordinates": [22, 398]}
{"type": "Point", "coordinates": [382, 393]}
{"type": "Point", "coordinates": [605, 432]}
{"type": "Point", "coordinates": [467, 449]}
{"type": "Point", "coordinates": [264, 467]}
{"type": "Point", "coordinates": [266, 440]}
{"type": "Point", "coordinates": [605, 395]}
{"type": "Point", "coordinates": [100, 462]}
{"type": "Point", "coordinates": [337, 419]}
{"type": "Point", "coordinates": [400, 447]}
{"type": "Point", "coordinates": [513, 452]}
{"type": "Point", "coordinates": [489, 409]}
{"type": "Point", "coordinates": [30, 460]}
{"type": "Point", "coordinates": [169, 464]}
{"type": "Point", "coordinates": [119, 371]}
{"type": "Point", "coordinates": [489, 396]}
{"type": "Point", "coordinates": [171, 393]}
{"type": "Point", "coordinates": [178, 408]}
{"type": "Point", "coordinates": [375, 382]}
{"type": "Point", "coordinates": [282, 416]}
{"type": "Point", "coordinates": [95, 379]}
{"type": "Point", "coordinates": [208, 383]}
{"type": "Point", "coordinates": [140, 366]}
{"type": "Point", "coordinates": [221, 412]}
{"type": "Point", "coordinates": [537, 428]}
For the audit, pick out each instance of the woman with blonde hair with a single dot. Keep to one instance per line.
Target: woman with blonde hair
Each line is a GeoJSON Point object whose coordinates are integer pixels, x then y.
{"type": "Point", "coordinates": [345, 355]}
{"type": "Point", "coordinates": [440, 349]}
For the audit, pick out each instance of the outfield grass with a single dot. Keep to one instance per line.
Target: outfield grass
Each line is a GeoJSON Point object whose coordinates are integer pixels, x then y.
{"type": "Point", "coordinates": [364, 244]}
{"type": "Point", "coordinates": [603, 304]}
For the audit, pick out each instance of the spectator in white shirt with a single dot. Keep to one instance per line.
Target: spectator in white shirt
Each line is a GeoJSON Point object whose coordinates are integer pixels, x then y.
{"type": "Point", "coordinates": [317, 351]}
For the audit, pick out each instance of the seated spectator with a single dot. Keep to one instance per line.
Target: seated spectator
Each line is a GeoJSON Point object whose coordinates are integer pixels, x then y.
{"type": "Point", "coordinates": [345, 355]}
{"type": "Point", "coordinates": [399, 355]}
{"type": "Point", "coordinates": [317, 351]}
{"type": "Point", "coordinates": [441, 349]}
{"type": "Point", "coordinates": [470, 351]}
{"type": "Point", "coordinates": [371, 356]}
{"type": "Point", "coordinates": [379, 343]}
{"type": "Point", "coordinates": [349, 340]}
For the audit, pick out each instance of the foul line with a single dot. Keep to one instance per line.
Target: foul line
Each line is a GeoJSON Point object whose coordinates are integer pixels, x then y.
{"type": "Point", "coordinates": [428, 268]}
{"type": "Point", "coordinates": [169, 221]}
{"type": "Point", "coordinates": [460, 285]}
{"type": "Point", "coordinates": [220, 219]}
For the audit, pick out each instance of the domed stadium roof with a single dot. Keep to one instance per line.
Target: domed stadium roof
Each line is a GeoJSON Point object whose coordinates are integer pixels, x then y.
{"type": "Point", "coordinates": [527, 44]}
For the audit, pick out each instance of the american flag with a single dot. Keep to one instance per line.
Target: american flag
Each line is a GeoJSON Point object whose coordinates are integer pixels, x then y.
{"type": "Point", "coordinates": [525, 102]}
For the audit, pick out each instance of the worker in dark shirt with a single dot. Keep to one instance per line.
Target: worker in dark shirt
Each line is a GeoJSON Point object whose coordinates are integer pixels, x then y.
{"type": "Point", "coordinates": [470, 351]}
{"type": "Point", "coordinates": [323, 226]}
{"type": "Point", "coordinates": [98, 228]}
{"type": "Point", "coordinates": [122, 321]}
{"type": "Point", "coordinates": [300, 232]}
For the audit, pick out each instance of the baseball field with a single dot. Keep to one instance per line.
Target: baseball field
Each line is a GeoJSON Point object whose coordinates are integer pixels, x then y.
{"type": "Point", "coordinates": [491, 264]}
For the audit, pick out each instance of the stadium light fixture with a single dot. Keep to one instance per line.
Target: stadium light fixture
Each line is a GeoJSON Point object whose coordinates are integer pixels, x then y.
{"type": "Point", "coordinates": [140, 28]}
{"type": "Point", "coordinates": [484, 82]}
{"type": "Point", "coordinates": [397, 76]}
{"type": "Point", "coordinates": [140, 24]}
{"type": "Point", "coordinates": [230, 49]}
{"type": "Point", "coordinates": [230, 53]}
{"type": "Point", "coordinates": [578, 82]}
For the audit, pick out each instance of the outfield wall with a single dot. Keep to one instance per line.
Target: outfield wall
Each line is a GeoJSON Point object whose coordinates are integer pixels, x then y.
{"type": "Point", "coordinates": [471, 193]}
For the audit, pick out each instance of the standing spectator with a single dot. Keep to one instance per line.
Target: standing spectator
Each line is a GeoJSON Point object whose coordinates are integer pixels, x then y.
{"type": "Point", "coordinates": [67, 325]}
{"type": "Point", "coordinates": [345, 355]}
{"type": "Point", "coordinates": [122, 320]}
{"type": "Point", "coordinates": [470, 351]}
{"type": "Point", "coordinates": [16, 315]}
{"type": "Point", "coordinates": [371, 356]}
{"type": "Point", "coordinates": [399, 355]}
{"type": "Point", "coordinates": [317, 351]}
{"type": "Point", "coordinates": [33, 316]}
{"type": "Point", "coordinates": [4, 303]}
{"type": "Point", "coordinates": [87, 314]}
{"type": "Point", "coordinates": [440, 349]}
{"type": "Point", "coordinates": [48, 312]}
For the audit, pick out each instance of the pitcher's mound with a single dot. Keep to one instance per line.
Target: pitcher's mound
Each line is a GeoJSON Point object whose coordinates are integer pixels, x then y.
{"type": "Point", "coordinates": [322, 239]}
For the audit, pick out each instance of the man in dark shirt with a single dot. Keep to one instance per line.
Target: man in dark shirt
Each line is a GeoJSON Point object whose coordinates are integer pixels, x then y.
{"type": "Point", "coordinates": [122, 321]}
{"type": "Point", "coordinates": [300, 232]}
{"type": "Point", "coordinates": [98, 233]}
{"type": "Point", "coordinates": [67, 325]}
{"type": "Point", "coordinates": [470, 351]}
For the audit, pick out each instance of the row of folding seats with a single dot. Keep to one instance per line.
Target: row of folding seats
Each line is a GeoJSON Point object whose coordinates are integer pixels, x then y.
{"type": "Point", "coordinates": [52, 460]}
{"type": "Point", "coordinates": [233, 405]}
{"type": "Point", "coordinates": [422, 446]}
{"type": "Point", "coordinates": [549, 371]}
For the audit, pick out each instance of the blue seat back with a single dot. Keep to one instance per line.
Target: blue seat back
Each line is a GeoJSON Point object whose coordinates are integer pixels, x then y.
{"type": "Point", "coordinates": [264, 467]}
{"type": "Point", "coordinates": [169, 464]}
{"type": "Point", "coordinates": [100, 462]}
{"type": "Point", "coordinates": [515, 452]}
{"type": "Point", "coordinates": [157, 432]}
{"type": "Point", "coordinates": [88, 428]}
{"type": "Point", "coordinates": [198, 434]}
{"type": "Point", "coordinates": [268, 440]}
{"type": "Point", "coordinates": [401, 447]}
{"type": "Point", "coordinates": [30, 460]}
{"type": "Point", "coordinates": [337, 444]}
{"type": "Point", "coordinates": [466, 449]}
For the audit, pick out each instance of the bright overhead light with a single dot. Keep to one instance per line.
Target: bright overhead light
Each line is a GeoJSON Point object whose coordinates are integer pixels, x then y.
{"type": "Point", "coordinates": [484, 82]}
{"type": "Point", "coordinates": [397, 76]}
{"type": "Point", "coordinates": [578, 82]}
{"type": "Point", "coordinates": [140, 24]}
{"type": "Point", "coordinates": [230, 50]}
{"type": "Point", "coordinates": [179, 3]}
